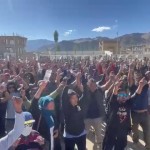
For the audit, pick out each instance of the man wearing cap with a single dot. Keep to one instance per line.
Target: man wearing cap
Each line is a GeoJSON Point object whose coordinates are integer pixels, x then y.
{"type": "Point", "coordinates": [29, 137]}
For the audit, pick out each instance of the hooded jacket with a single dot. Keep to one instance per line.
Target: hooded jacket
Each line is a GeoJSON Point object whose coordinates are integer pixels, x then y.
{"type": "Point", "coordinates": [73, 115]}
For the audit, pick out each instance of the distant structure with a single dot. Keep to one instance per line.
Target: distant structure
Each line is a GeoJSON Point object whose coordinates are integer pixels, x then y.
{"type": "Point", "coordinates": [112, 46]}
{"type": "Point", "coordinates": [12, 46]}
{"type": "Point", "coordinates": [142, 50]}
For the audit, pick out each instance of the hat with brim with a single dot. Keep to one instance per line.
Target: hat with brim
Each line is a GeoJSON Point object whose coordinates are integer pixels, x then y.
{"type": "Point", "coordinates": [28, 118]}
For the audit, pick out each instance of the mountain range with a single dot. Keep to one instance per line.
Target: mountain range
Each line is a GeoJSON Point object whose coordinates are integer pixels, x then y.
{"type": "Point", "coordinates": [87, 43]}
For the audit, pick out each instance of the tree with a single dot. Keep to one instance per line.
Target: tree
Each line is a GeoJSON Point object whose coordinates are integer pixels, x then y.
{"type": "Point", "coordinates": [56, 40]}
{"type": "Point", "coordinates": [56, 36]}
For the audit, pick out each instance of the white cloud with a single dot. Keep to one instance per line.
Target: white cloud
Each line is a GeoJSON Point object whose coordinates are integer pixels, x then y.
{"type": "Point", "coordinates": [101, 29]}
{"type": "Point", "coordinates": [68, 32]}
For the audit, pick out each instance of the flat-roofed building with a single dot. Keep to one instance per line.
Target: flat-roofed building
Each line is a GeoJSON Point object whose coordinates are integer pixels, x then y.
{"type": "Point", "coordinates": [110, 45]}
{"type": "Point", "coordinates": [13, 46]}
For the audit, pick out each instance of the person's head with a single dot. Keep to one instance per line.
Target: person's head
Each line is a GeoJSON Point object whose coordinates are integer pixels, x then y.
{"type": "Point", "coordinates": [123, 92]}
{"type": "Point", "coordinates": [122, 96]}
{"type": "Point", "coordinates": [28, 124]}
{"type": "Point", "coordinates": [2, 88]}
{"type": "Point", "coordinates": [137, 76]}
{"type": "Point", "coordinates": [147, 75]}
{"type": "Point", "coordinates": [6, 77]}
{"type": "Point", "coordinates": [66, 65]}
{"type": "Point", "coordinates": [73, 97]}
{"type": "Point", "coordinates": [11, 87]}
{"type": "Point", "coordinates": [92, 84]}
{"type": "Point", "coordinates": [46, 103]}
{"type": "Point", "coordinates": [29, 78]}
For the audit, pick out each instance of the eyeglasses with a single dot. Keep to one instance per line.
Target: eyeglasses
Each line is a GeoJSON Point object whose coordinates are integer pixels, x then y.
{"type": "Point", "coordinates": [28, 125]}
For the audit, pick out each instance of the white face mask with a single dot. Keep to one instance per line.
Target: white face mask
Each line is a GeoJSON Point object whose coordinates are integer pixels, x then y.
{"type": "Point", "coordinates": [27, 130]}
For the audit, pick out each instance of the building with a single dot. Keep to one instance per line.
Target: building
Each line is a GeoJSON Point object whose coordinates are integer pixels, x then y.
{"type": "Point", "coordinates": [12, 46]}
{"type": "Point", "coordinates": [112, 46]}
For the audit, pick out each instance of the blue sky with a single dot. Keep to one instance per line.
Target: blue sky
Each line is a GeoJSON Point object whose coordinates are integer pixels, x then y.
{"type": "Point", "coordinates": [37, 19]}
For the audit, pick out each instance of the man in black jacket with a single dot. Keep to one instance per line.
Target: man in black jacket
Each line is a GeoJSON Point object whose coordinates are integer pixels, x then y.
{"type": "Point", "coordinates": [92, 104]}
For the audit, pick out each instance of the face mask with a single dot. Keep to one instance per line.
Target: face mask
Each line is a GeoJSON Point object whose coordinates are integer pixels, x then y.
{"type": "Point", "coordinates": [48, 115]}
{"type": "Point", "coordinates": [27, 130]}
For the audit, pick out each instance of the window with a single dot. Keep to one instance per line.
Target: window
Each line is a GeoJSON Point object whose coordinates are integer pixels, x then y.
{"type": "Point", "coordinates": [12, 42]}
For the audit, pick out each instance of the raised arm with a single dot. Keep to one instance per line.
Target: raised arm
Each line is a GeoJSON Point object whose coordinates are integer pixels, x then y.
{"type": "Point", "coordinates": [142, 83]}
{"type": "Point", "coordinates": [130, 75]}
{"type": "Point", "coordinates": [108, 83]}
{"type": "Point", "coordinates": [13, 135]}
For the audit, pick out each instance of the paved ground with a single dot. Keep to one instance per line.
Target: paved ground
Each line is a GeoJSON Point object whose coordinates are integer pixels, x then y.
{"type": "Point", "coordinates": [130, 144]}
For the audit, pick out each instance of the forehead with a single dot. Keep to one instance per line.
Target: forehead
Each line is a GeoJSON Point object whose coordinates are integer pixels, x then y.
{"type": "Point", "coordinates": [92, 81]}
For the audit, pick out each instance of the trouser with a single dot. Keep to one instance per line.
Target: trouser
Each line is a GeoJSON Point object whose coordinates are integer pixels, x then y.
{"type": "Point", "coordinates": [79, 141]}
{"type": "Point", "coordinates": [9, 124]}
{"type": "Point", "coordinates": [2, 118]}
{"type": "Point", "coordinates": [57, 145]}
{"type": "Point", "coordinates": [115, 138]}
{"type": "Point", "coordinates": [97, 125]}
{"type": "Point", "coordinates": [141, 119]}
{"type": "Point", "coordinates": [2, 126]}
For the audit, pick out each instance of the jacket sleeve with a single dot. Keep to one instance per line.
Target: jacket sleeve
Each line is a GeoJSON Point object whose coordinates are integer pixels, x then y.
{"type": "Point", "coordinates": [134, 97]}
{"type": "Point", "coordinates": [13, 135]}
{"type": "Point", "coordinates": [65, 102]}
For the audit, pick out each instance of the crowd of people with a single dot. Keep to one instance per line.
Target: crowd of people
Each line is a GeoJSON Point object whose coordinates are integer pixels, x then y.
{"type": "Point", "coordinates": [52, 104]}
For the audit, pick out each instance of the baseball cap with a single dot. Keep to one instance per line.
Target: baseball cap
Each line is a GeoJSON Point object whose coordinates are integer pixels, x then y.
{"type": "Point", "coordinates": [28, 118]}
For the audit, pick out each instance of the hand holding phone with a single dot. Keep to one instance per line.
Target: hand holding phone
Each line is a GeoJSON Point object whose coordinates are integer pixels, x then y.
{"type": "Point", "coordinates": [47, 75]}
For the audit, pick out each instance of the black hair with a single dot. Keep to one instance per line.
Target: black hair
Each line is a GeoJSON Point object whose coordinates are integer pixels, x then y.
{"type": "Point", "coordinates": [30, 77]}
{"type": "Point", "coordinates": [71, 93]}
{"type": "Point", "coordinates": [13, 83]}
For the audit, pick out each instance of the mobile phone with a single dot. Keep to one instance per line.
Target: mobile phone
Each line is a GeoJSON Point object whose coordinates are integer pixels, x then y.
{"type": "Point", "coordinates": [47, 75]}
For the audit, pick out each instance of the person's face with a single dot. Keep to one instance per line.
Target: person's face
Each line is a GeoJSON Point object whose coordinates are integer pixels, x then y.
{"type": "Point", "coordinates": [6, 77]}
{"type": "Point", "coordinates": [148, 76]}
{"type": "Point", "coordinates": [27, 129]}
{"type": "Point", "coordinates": [2, 89]}
{"type": "Point", "coordinates": [122, 97]}
{"type": "Point", "coordinates": [92, 85]}
{"type": "Point", "coordinates": [74, 100]}
{"type": "Point", "coordinates": [11, 88]}
{"type": "Point", "coordinates": [137, 77]}
{"type": "Point", "coordinates": [50, 106]}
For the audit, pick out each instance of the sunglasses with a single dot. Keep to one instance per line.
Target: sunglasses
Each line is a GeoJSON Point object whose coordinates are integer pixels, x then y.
{"type": "Point", "coordinates": [122, 95]}
{"type": "Point", "coordinates": [28, 125]}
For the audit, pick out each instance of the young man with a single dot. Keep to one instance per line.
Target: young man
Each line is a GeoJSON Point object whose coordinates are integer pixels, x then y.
{"type": "Point", "coordinates": [29, 139]}
{"type": "Point", "coordinates": [139, 112]}
{"type": "Point", "coordinates": [119, 123]}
